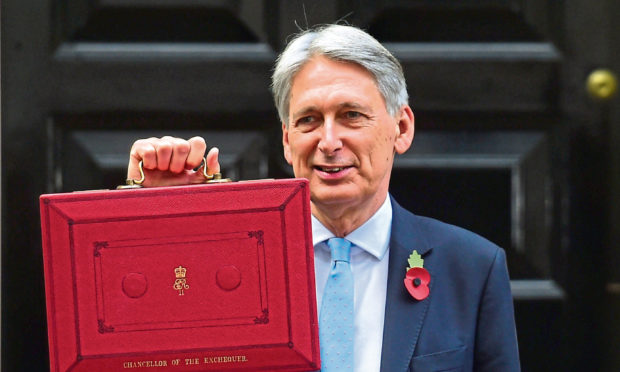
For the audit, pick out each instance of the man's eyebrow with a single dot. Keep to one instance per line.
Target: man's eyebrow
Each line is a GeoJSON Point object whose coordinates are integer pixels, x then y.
{"type": "Point", "coordinates": [354, 105]}
{"type": "Point", "coordinates": [304, 111]}
{"type": "Point", "coordinates": [344, 105]}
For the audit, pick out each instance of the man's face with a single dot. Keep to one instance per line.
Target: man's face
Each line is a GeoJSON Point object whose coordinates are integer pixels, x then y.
{"type": "Point", "coordinates": [340, 135]}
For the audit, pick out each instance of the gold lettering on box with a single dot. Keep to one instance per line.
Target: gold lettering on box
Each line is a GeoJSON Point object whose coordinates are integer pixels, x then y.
{"type": "Point", "coordinates": [145, 364]}
{"type": "Point", "coordinates": [180, 284]}
{"type": "Point", "coordinates": [191, 361]}
{"type": "Point", "coordinates": [225, 359]}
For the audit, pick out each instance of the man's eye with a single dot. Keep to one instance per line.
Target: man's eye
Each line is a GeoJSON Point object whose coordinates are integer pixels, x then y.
{"type": "Point", "coordinates": [353, 115]}
{"type": "Point", "coordinates": [305, 120]}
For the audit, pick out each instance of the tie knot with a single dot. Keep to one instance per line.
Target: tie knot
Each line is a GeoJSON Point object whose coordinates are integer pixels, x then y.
{"type": "Point", "coordinates": [340, 249]}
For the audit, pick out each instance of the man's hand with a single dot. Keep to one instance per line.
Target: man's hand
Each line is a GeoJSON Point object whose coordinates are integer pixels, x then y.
{"type": "Point", "coordinates": [169, 161]}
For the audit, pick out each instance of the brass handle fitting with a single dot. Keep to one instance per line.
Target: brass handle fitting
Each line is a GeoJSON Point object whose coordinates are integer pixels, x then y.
{"type": "Point", "coordinates": [209, 178]}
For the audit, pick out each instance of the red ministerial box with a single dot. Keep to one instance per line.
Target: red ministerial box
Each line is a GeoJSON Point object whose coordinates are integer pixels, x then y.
{"type": "Point", "coordinates": [203, 277]}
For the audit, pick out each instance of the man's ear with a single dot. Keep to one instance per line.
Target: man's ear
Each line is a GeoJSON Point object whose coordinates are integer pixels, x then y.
{"type": "Point", "coordinates": [286, 145]}
{"type": "Point", "coordinates": [405, 130]}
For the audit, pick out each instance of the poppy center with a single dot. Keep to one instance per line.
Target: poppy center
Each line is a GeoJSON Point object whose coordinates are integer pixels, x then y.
{"type": "Point", "coordinates": [417, 282]}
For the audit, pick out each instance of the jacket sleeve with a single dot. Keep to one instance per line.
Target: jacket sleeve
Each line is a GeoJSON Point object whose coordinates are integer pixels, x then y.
{"type": "Point", "coordinates": [496, 346]}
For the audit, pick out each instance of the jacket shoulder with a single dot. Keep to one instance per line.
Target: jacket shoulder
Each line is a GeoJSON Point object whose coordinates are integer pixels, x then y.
{"type": "Point", "coordinates": [445, 237]}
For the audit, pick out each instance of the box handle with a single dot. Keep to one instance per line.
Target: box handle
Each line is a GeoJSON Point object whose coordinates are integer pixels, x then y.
{"type": "Point", "coordinates": [209, 178]}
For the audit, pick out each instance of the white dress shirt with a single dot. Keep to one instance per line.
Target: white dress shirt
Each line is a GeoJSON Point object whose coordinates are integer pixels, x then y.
{"type": "Point", "coordinates": [369, 264]}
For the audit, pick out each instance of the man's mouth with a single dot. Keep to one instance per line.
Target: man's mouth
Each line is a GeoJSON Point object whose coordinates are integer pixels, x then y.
{"type": "Point", "coordinates": [330, 169]}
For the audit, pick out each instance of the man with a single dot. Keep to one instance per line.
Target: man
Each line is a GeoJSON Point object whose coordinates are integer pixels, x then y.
{"type": "Point", "coordinates": [342, 100]}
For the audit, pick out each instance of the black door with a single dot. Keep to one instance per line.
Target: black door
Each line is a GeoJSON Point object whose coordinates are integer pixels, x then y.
{"type": "Point", "coordinates": [508, 141]}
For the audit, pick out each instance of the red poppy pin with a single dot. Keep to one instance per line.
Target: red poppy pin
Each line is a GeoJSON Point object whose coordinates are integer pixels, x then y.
{"type": "Point", "coordinates": [417, 278]}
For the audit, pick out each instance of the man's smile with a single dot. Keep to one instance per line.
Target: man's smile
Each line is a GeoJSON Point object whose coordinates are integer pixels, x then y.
{"type": "Point", "coordinates": [331, 169]}
{"type": "Point", "coordinates": [332, 172]}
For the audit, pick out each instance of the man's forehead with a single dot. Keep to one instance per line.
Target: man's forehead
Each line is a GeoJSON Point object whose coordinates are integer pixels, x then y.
{"type": "Point", "coordinates": [330, 63]}
{"type": "Point", "coordinates": [323, 66]}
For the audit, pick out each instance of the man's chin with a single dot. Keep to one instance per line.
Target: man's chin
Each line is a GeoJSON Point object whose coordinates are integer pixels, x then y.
{"type": "Point", "coordinates": [331, 196]}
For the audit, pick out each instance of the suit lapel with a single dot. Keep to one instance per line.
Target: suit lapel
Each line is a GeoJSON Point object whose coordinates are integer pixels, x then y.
{"type": "Point", "coordinates": [404, 315]}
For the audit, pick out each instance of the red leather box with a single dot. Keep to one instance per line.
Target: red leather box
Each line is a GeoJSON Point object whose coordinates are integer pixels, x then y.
{"type": "Point", "coordinates": [196, 278]}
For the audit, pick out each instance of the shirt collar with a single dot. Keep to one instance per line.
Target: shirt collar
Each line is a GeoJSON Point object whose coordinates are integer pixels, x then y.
{"type": "Point", "coordinates": [373, 236]}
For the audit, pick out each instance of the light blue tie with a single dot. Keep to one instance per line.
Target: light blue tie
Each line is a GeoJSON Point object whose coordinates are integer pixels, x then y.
{"type": "Point", "coordinates": [336, 318]}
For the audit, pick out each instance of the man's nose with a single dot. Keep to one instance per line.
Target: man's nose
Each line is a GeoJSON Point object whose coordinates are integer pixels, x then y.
{"type": "Point", "coordinates": [330, 141]}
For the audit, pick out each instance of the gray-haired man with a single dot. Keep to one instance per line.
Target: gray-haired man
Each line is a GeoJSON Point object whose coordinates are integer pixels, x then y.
{"type": "Point", "coordinates": [342, 100]}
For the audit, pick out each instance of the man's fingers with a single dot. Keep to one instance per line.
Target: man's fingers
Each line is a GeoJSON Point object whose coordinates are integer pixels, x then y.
{"type": "Point", "coordinates": [133, 171]}
{"type": "Point", "coordinates": [147, 152]}
{"type": "Point", "coordinates": [180, 151]}
{"type": "Point", "coordinates": [164, 147]}
{"type": "Point", "coordinates": [197, 147]}
{"type": "Point", "coordinates": [169, 160]}
{"type": "Point", "coordinates": [213, 164]}
{"type": "Point", "coordinates": [142, 150]}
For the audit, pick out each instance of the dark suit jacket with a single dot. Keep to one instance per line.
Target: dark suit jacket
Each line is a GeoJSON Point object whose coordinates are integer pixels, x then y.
{"type": "Point", "coordinates": [467, 321]}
